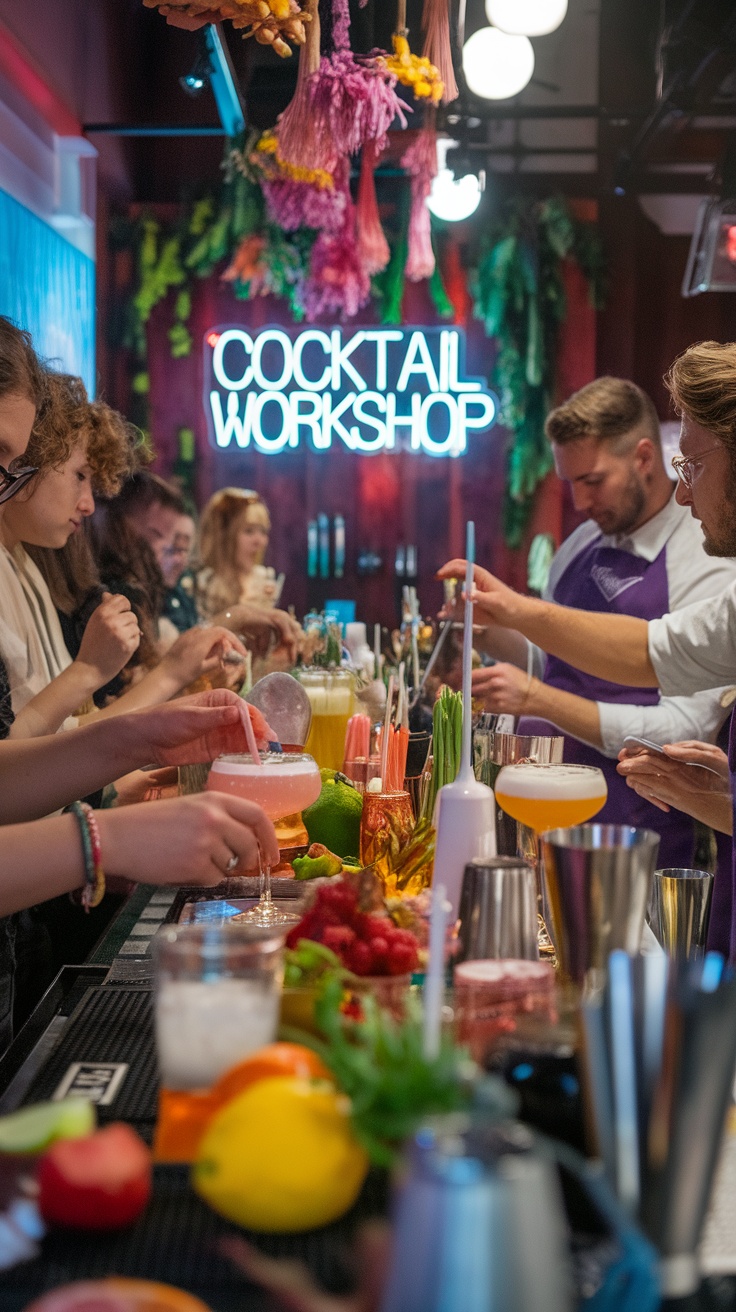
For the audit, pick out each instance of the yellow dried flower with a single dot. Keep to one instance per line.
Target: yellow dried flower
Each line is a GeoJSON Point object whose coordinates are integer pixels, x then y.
{"type": "Point", "coordinates": [414, 71]}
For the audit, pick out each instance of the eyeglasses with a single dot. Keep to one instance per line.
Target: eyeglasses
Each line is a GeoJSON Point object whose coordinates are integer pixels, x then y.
{"type": "Point", "coordinates": [12, 480]}
{"type": "Point", "coordinates": [685, 466]}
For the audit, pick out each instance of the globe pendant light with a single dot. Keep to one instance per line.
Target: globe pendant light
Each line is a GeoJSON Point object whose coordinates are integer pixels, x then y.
{"type": "Point", "coordinates": [454, 199]}
{"type": "Point", "coordinates": [526, 17]}
{"type": "Point", "coordinates": [496, 65]}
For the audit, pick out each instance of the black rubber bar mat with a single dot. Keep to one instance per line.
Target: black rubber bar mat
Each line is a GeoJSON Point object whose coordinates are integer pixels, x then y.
{"type": "Point", "coordinates": [176, 1241]}
{"type": "Point", "coordinates": [110, 1025]}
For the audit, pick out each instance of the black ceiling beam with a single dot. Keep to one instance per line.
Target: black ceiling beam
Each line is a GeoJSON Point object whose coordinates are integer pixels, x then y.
{"type": "Point", "coordinates": [156, 129]}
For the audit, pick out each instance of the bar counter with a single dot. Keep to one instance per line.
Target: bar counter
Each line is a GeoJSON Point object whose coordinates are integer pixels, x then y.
{"type": "Point", "coordinates": [100, 1016]}
{"type": "Point", "coordinates": [94, 1027]}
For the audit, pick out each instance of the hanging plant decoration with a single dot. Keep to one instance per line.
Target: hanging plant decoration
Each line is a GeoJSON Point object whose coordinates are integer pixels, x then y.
{"type": "Point", "coordinates": [420, 162]}
{"type": "Point", "coordinates": [273, 23]}
{"type": "Point", "coordinates": [520, 297]}
{"type": "Point", "coordinates": [437, 45]}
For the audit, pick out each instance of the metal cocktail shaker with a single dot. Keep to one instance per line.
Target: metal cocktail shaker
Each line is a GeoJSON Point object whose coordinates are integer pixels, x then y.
{"type": "Point", "coordinates": [478, 1225]}
{"type": "Point", "coordinates": [598, 879]}
{"type": "Point", "coordinates": [679, 911]}
{"type": "Point", "coordinates": [498, 910]}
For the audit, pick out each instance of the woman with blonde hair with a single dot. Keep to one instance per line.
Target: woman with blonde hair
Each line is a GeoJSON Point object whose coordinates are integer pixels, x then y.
{"type": "Point", "coordinates": [234, 533]}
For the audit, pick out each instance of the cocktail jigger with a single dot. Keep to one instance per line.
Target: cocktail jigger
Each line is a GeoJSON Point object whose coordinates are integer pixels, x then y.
{"type": "Point", "coordinates": [598, 879]}
{"type": "Point", "coordinates": [498, 910]}
{"type": "Point", "coordinates": [688, 1117]}
{"type": "Point", "coordinates": [679, 911]}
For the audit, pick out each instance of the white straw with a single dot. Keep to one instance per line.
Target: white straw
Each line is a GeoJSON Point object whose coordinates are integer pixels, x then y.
{"type": "Point", "coordinates": [434, 979]}
{"type": "Point", "coordinates": [250, 735]}
{"type": "Point", "coordinates": [384, 739]}
{"type": "Point", "coordinates": [465, 763]}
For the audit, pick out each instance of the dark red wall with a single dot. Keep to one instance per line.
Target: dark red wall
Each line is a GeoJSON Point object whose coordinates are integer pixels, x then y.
{"type": "Point", "coordinates": [385, 499]}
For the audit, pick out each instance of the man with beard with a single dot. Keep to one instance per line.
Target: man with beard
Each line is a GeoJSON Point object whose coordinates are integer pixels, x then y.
{"type": "Point", "coordinates": [638, 553]}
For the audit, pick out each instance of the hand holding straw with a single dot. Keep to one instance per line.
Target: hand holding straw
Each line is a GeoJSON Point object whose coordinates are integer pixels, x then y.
{"type": "Point", "coordinates": [435, 977]}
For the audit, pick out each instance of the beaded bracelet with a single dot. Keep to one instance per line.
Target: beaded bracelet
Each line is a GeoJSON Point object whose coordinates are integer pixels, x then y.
{"type": "Point", "coordinates": [94, 876]}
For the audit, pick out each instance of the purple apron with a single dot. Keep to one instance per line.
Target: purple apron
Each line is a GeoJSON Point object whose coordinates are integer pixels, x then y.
{"type": "Point", "coordinates": [616, 582]}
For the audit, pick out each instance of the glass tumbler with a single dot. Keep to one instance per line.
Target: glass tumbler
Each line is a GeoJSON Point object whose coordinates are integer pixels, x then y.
{"type": "Point", "coordinates": [217, 997]}
{"type": "Point", "coordinates": [386, 826]}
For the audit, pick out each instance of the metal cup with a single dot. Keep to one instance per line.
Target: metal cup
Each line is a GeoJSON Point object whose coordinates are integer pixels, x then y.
{"type": "Point", "coordinates": [679, 911]}
{"type": "Point", "coordinates": [598, 879]}
{"type": "Point", "coordinates": [498, 910]}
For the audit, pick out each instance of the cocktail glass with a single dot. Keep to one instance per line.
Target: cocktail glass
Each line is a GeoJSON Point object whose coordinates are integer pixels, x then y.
{"type": "Point", "coordinates": [283, 784]}
{"type": "Point", "coordinates": [542, 797]}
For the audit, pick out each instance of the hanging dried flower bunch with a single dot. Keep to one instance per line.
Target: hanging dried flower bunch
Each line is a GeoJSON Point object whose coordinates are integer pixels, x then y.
{"type": "Point", "coordinates": [272, 22]}
{"type": "Point", "coordinates": [413, 71]}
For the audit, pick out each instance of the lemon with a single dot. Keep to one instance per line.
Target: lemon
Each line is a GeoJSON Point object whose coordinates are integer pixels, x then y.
{"type": "Point", "coordinates": [334, 819]}
{"type": "Point", "coordinates": [33, 1128]}
{"type": "Point", "coordinates": [281, 1156]}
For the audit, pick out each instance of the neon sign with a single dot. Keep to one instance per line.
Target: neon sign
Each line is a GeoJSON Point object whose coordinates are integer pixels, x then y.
{"type": "Point", "coordinates": [375, 389]}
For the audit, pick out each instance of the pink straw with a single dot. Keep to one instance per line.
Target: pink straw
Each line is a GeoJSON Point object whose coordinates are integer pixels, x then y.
{"type": "Point", "coordinates": [249, 733]}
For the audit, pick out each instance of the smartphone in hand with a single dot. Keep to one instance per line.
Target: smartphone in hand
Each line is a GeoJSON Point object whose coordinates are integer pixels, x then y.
{"type": "Point", "coordinates": [632, 741]}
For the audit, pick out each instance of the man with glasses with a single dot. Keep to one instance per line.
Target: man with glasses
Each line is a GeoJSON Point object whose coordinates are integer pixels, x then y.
{"type": "Point", "coordinates": [639, 553]}
{"type": "Point", "coordinates": [179, 605]}
{"type": "Point", "coordinates": [693, 648]}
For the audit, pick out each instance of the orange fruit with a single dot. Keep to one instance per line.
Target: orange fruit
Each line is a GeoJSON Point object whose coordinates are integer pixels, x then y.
{"type": "Point", "coordinates": [288, 1059]}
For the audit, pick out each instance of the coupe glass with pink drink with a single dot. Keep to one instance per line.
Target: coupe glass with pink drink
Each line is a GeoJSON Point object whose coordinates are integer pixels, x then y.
{"type": "Point", "coordinates": [282, 784]}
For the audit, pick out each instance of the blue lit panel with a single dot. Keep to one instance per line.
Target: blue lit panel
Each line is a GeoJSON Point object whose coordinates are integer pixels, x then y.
{"type": "Point", "coordinates": [48, 287]}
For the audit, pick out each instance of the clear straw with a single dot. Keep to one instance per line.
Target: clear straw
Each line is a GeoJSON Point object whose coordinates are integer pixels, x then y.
{"type": "Point", "coordinates": [435, 976]}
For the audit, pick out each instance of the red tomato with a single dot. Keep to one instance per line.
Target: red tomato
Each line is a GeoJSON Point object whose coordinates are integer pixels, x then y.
{"type": "Point", "coordinates": [100, 1182]}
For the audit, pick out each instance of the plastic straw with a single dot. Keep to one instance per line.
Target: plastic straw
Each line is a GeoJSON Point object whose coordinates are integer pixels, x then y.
{"type": "Point", "coordinates": [377, 649]}
{"type": "Point", "coordinates": [385, 735]}
{"type": "Point", "coordinates": [466, 763]}
{"type": "Point", "coordinates": [250, 735]}
{"type": "Point", "coordinates": [415, 656]}
{"type": "Point", "coordinates": [435, 977]}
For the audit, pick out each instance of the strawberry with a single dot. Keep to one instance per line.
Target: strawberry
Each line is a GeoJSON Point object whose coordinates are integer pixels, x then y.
{"type": "Point", "coordinates": [359, 958]}
{"type": "Point", "coordinates": [402, 959]}
{"type": "Point", "coordinates": [379, 948]}
{"type": "Point", "coordinates": [338, 939]}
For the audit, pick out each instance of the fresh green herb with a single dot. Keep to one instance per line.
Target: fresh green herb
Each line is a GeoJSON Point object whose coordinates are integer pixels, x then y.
{"type": "Point", "coordinates": [309, 963]}
{"type": "Point", "coordinates": [379, 1063]}
{"type": "Point", "coordinates": [447, 742]}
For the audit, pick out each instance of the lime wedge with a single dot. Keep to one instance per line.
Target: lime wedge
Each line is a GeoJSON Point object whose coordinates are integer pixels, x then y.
{"type": "Point", "coordinates": [33, 1128]}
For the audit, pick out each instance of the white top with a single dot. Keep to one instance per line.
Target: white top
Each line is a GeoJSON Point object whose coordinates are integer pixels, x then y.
{"type": "Point", "coordinates": [696, 647]}
{"type": "Point", "coordinates": [686, 710]}
{"type": "Point", "coordinates": [31, 641]}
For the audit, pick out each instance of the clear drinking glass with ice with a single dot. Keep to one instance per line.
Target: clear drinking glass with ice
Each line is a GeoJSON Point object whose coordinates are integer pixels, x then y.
{"type": "Point", "coordinates": [218, 991]}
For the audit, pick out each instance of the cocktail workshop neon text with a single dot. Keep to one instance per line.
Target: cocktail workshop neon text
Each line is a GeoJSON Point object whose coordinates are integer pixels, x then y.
{"type": "Point", "coordinates": [375, 389]}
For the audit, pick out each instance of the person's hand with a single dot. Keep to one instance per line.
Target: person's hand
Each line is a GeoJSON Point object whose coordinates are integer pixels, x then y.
{"type": "Point", "coordinates": [193, 730]}
{"type": "Point", "coordinates": [493, 601]}
{"type": "Point", "coordinates": [137, 786]}
{"type": "Point", "coordinates": [292, 1285]}
{"type": "Point", "coordinates": [186, 840]}
{"type": "Point", "coordinates": [197, 652]}
{"type": "Point", "coordinates": [503, 689]}
{"type": "Point", "coordinates": [668, 780]}
{"type": "Point", "coordinates": [110, 638]}
{"type": "Point", "coordinates": [258, 626]}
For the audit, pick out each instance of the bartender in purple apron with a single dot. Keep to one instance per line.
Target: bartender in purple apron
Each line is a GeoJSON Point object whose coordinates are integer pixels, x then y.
{"type": "Point", "coordinates": [638, 553]}
{"type": "Point", "coordinates": [686, 651]}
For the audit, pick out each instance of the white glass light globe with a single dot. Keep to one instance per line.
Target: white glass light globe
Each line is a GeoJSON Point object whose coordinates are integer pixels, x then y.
{"type": "Point", "coordinates": [496, 65]}
{"type": "Point", "coordinates": [451, 199]}
{"type": "Point", "coordinates": [526, 17]}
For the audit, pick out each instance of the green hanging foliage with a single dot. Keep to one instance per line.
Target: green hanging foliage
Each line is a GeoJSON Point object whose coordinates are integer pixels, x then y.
{"type": "Point", "coordinates": [519, 295]}
{"type": "Point", "coordinates": [517, 287]}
